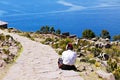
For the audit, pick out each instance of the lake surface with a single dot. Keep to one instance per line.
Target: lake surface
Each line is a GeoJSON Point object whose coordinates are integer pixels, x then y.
{"type": "Point", "coordinates": [67, 15]}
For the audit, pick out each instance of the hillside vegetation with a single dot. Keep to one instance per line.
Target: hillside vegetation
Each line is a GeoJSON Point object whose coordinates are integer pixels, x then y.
{"type": "Point", "coordinates": [90, 49]}
{"type": "Point", "coordinates": [9, 51]}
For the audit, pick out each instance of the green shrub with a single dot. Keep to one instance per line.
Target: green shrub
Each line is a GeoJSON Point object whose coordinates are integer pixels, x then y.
{"type": "Point", "coordinates": [83, 43]}
{"type": "Point", "coordinates": [114, 68]}
{"type": "Point", "coordinates": [64, 42]}
{"type": "Point", "coordinates": [63, 46]}
{"type": "Point", "coordinates": [2, 37]}
{"type": "Point", "coordinates": [88, 34]}
{"type": "Point", "coordinates": [85, 59]}
{"type": "Point", "coordinates": [96, 51]}
{"type": "Point", "coordinates": [112, 65]}
{"type": "Point", "coordinates": [6, 51]}
{"type": "Point", "coordinates": [8, 36]}
{"type": "Point", "coordinates": [97, 64]}
{"type": "Point", "coordinates": [43, 42]}
{"type": "Point", "coordinates": [27, 35]}
{"type": "Point", "coordinates": [68, 40]}
{"type": "Point", "coordinates": [116, 72]}
{"type": "Point", "coordinates": [60, 52]}
{"type": "Point", "coordinates": [48, 39]}
{"type": "Point", "coordinates": [114, 51]}
{"type": "Point", "coordinates": [105, 34]}
{"type": "Point", "coordinates": [92, 61]}
{"type": "Point", "coordinates": [55, 46]}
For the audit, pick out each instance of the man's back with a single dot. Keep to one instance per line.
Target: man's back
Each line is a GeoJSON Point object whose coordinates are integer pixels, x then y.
{"type": "Point", "coordinates": [69, 57]}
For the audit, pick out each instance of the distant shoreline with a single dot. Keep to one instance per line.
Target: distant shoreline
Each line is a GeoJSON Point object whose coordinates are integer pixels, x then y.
{"type": "Point", "coordinates": [78, 34]}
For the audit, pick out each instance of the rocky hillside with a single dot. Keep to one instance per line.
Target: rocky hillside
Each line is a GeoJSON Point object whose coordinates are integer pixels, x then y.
{"type": "Point", "coordinates": [9, 49]}
{"type": "Point", "coordinates": [97, 58]}
{"type": "Point", "coordinates": [37, 62]}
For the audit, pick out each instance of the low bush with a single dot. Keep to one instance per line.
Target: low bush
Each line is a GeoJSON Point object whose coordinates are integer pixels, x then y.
{"type": "Point", "coordinates": [6, 51]}
{"type": "Point", "coordinates": [2, 37]}
{"type": "Point", "coordinates": [55, 46]}
{"type": "Point", "coordinates": [114, 68]}
{"type": "Point", "coordinates": [8, 36]}
{"type": "Point", "coordinates": [27, 35]}
{"type": "Point", "coordinates": [60, 52]}
{"type": "Point", "coordinates": [96, 51]}
{"type": "Point", "coordinates": [48, 39]}
{"type": "Point", "coordinates": [92, 61]}
{"type": "Point", "coordinates": [85, 59]}
{"type": "Point", "coordinates": [97, 64]}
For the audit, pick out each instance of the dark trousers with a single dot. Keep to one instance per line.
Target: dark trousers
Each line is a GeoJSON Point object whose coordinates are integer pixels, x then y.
{"type": "Point", "coordinates": [65, 67]}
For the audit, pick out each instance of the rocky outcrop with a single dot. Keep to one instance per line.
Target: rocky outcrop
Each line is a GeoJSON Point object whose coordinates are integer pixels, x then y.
{"type": "Point", "coordinates": [2, 63]}
{"type": "Point", "coordinates": [105, 75]}
{"type": "Point", "coordinates": [8, 49]}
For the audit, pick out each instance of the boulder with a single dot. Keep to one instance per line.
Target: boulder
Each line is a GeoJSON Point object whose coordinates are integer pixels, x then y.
{"type": "Point", "coordinates": [4, 56]}
{"type": "Point", "coordinates": [2, 63]}
{"type": "Point", "coordinates": [104, 63]}
{"type": "Point", "coordinates": [105, 75]}
{"type": "Point", "coordinates": [103, 56]}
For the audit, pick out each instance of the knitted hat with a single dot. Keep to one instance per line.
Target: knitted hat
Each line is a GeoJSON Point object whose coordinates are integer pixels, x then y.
{"type": "Point", "coordinates": [69, 46]}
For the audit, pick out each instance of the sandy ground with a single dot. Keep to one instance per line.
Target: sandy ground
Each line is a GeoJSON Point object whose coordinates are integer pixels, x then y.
{"type": "Point", "coordinates": [37, 62]}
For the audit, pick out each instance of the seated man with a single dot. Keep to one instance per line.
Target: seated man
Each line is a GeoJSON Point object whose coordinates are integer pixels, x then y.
{"type": "Point", "coordinates": [68, 59]}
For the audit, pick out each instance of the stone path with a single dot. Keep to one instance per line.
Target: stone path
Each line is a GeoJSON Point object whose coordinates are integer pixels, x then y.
{"type": "Point", "coordinates": [37, 62]}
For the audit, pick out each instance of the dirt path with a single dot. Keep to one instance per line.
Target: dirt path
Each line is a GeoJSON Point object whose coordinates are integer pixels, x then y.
{"type": "Point", "coordinates": [37, 62]}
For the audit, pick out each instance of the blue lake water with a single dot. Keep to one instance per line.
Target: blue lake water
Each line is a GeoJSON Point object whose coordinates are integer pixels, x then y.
{"type": "Point", "coordinates": [68, 15]}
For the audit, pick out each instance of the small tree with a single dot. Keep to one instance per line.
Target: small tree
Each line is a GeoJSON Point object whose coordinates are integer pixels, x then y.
{"type": "Point", "coordinates": [47, 29]}
{"type": "Point", "coordinates": [58, 31]}
{"type": "Point", "coordinates": [52, 30]}
{"type": "Point", "coordinates": [116, 37]}
{"type": "Point", "coordinates": [88, 34]}
{"type": "Point", "coordinates": [42, 29]}
{"type": "Point", "coordinates": [105, 34]}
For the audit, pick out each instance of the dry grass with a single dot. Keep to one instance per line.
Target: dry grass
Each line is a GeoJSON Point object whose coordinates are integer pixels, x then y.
{"type": "Point", "coordinates": [3, 71]}
{"type": "Point", "coordinates": [88, 71]}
